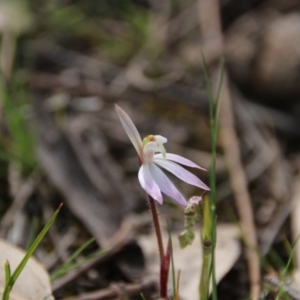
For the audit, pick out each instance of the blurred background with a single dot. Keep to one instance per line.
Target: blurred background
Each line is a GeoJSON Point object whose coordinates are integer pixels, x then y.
{"type": "Point", "coordinates": [64, 63]}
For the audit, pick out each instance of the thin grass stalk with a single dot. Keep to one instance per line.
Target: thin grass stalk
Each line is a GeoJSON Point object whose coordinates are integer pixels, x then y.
{"type": "Point", "coordinates": [213, 180]}
{"type": "Point", "coordinates": [207, 250]}
{"type": "Point", "coordinates": [205, 277]}
{"type": "Point", "coordinates": [285, 271]}
{"type": "Point", "coordinates": [209, 232]}
{"type": "Point", "coordinates": [177, 285]}
{"type": "Point", "coordinates": [172, 262]}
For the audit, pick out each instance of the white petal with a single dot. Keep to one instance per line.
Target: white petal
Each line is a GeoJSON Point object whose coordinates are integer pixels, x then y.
{"type": "Point", "coordinates": [130, 129]}
{"type": "Point", "coordinates": [148, 183]}
{"type": "Point", "coordinates": [148, 151]}
{"type": "Point", "coordinates": [165, 184]}
{"type": "Point", "coordinates": [160, 139]}
{"type": "Point", "coordinates": [180, 172]}
{"type": "Point", "coordinates": [160, 142]}
{"type": "Point", "coordinates": [180, 159]}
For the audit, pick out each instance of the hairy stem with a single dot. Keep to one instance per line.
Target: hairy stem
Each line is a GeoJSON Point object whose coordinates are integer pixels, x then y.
{"type": "Point", "coordinates": [157, 228]}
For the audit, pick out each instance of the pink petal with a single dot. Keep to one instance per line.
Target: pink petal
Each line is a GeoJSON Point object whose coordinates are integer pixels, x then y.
{"type": "Point", "coordinates": [181, 173]}
{"type": "Point", "coordinates": [148, 184]}
{"type": "Point", "coordinates": [165, 184]}
{"type": "Point", "coordinates": [180, 159]}
{"type": "Point", "coordinates": [130, 129]}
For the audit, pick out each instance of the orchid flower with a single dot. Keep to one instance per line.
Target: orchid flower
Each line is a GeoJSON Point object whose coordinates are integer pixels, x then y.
{"type": "Point", "coordinates": [153, 156]}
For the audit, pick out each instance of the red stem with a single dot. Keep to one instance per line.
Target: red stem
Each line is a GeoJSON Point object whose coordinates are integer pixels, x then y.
{"type": "Point", "coordinates": [157, 228]}
{"type": "Point", "coordinates": [164, 260]}
{"type": "Point", "coordinates": [164, 272]}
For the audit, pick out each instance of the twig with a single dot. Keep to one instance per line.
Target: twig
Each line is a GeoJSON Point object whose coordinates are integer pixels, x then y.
{"type": "Point", "coordinates": [22, 195]}
{"type": "Point", "coordinates": [293, 294]}
{"type": "Point", "coordinates": [281, 188]}
{"type": "Point", "coordinates": [239, 186]}
{"type": "Point", "coordinates": [99, 165]}
{"type": "Point", "coordinates": [63, 167]}
{"type": "Point", "coordinates": [116, 243]}
{"type": "Point", "coordinates": [116, 290]}
{"type": "Point", "coordinates": [60, 241]}
{"type": "Point", "coordinates": [195, 97]}
{"type": "Point", "coordinates": [295, 219]}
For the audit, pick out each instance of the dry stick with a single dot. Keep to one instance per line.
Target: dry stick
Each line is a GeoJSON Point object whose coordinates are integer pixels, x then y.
{"type": "Point", "coordinates": [209, 18]}
{"type": "Point", "coordinates": [19, 200]}
{"type": "Point", "coordinates": [118, 291]}
{"type": "Point", "coordinates": [277, 284]}
{"type": "Point", "coordinates": [116, 243]}
{"type": "Point", "coordinates": [239, 186]}
{"type": "Point", "coordinates": [295, 222]}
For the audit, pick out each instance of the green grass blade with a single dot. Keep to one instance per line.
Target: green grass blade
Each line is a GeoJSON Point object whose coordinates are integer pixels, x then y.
{"type": "Point", "coordinates": [172, 261]}
{"type": "Point", "coordinates": [7, 271]}
{"type": "Point", "coordinates": [73, 266]}
{"type": "Point", "coordinates": [214, 111]}
{"type": "Point", "coordinates": [285, 271]}
{"type": "Point", "coordinates": [208, 86]}
{"type": "Point", "coordinates": [29, 253]}
{"type": "Point", "coordinates": [78, 252]}
{"type": "Point", "coordinates": [20, 144]}
{"type": "Point", "coordinates": [215, 130]}
{"type": "Point", "coordinates": [218, 102]}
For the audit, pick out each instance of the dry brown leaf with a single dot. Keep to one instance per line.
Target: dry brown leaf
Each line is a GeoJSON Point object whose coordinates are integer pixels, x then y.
{"type": "Point", "coordinates": [33, 283]}
{"type": "Point", "coordinates": [189, 260]}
